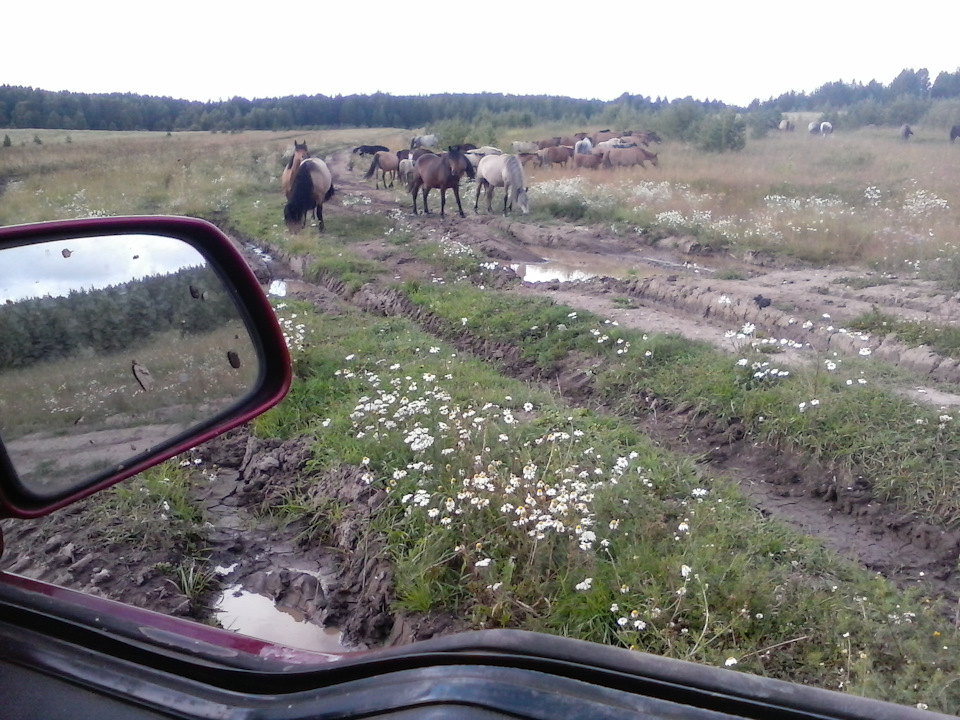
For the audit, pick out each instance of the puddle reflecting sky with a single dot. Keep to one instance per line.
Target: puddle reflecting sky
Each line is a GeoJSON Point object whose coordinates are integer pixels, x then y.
{"type": "Point", "coordinates": [259, 617]}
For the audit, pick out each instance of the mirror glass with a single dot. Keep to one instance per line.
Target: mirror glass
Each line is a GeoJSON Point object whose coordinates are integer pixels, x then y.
{"type": "Point", "coordinates": [109, 347]}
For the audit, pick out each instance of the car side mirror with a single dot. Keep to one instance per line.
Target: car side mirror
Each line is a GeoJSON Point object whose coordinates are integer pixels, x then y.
{"type": "Point", "coordinates": [123, 342]}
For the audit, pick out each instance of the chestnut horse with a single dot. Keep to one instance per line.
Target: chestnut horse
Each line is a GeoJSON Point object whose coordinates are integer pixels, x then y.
{"type": "Point", "coordinates": [300, 153]}
{"type": "Point", "coordinates": [559, 154]}
{"type": "Point", "coordinates": [385, 162]}
{"type": "Point", "coordinates": [312, 186]}
{"type": "Point", "coordinates": [627, 156]}
{"type": "Point", "coordinates": [442, 172]}
{"type": "Point", "coordinates": [504, 171]}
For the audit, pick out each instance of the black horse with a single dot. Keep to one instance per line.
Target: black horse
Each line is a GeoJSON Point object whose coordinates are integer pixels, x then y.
{"type": "Point", "coordinates": [369, 150]}
{"type": "Point", "coordinates": [954, 132]}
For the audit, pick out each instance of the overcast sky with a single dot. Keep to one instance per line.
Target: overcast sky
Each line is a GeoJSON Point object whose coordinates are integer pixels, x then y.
{"type": "Point", "coordinates": [56, 268]}
{"type": "Point", "coordinates": [730, 51]}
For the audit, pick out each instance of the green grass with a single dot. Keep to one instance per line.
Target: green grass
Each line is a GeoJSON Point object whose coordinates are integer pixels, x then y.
{"type": "Point", "coordinates": [678, 563]}
{"type": "Point", "coordinates": [942, 339]}
{"type": "Point", "coordinates": [774, 601]}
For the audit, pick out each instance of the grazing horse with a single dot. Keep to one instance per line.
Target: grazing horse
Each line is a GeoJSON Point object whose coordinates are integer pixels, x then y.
{"type": "Point", "coordinates": [423, 141]}
{"type": "Point", "coordinates": [826, 128]}
{"type": "Point", "coordinates": [905, 132]}
{"type": "Point", "coordinates": [954, 132]}
{"type": "Point", "coordinates": [369, 150]}
{"type": "Point", "coordinates": [785, 125]}
{"type": "Point", "coordinates": [502, 171]}
{"type": "Point", "coordinates": [312, 186]}
{"type": "Point", "coordinates": [442, 172]}
{"type": "Point", "coordinates": [559, 154]}
{"type": "Point", "coordinates": [628, 156]}
{"type": "Point", "coordinates": [548, 142]}
{"type": "Point", "coordinates": [813, 128]}
{"type": "Point", "coordinates": [385, 162]}
{"type": "Point", "coordinates": [300, 153]}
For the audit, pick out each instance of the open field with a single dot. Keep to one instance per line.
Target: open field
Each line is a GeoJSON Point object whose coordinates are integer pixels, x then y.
{"type": "Point", "coordinates": [648, 459]}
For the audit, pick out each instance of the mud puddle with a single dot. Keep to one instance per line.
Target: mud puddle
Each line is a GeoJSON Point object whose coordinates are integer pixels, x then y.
{"type": "Point", "coordinates": [570, 265]}
{"type": "Point", "coordinates": [258, 616]}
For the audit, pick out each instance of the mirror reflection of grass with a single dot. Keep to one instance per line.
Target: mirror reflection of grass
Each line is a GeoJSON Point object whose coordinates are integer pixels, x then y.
{"type": "Point", "coordinates": [192, 379]}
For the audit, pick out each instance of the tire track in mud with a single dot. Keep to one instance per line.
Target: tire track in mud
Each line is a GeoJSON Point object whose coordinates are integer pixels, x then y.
{"type": "Point", "coordinates": [685, 295]}
{"type": "Point", "coordinates": [840, 511]}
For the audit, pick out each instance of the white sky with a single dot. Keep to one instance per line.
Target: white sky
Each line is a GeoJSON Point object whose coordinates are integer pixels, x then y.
{"type": "Point", "coordinates": [41, 269]}
{"type": "Point", "coordinates": [730, 51]}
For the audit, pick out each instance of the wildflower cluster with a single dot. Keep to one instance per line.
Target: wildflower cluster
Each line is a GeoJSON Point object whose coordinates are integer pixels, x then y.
{"type": "Point", "coordinates": [455, 477]}
{"type": "Point", "coordinates": [294, 332]}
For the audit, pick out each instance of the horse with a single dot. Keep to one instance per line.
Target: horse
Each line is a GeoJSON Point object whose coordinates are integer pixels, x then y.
{"type": "Point", "coordinates": [385, 162]}
{"type": "Point", "coordinates": [905, 132]}
{"type": "Point", "coordinates": [785, 125]}
{"type": "Point", "coordinates": [363, 150]}
{"type": "Point", "coordinates": [548, 142]}
{"type": "Point", "coordinates": [954, 132]}
{"type": "Point", "coordinates": [572, 139]}
{"type": "Point", "coordinates": [312, 186]}
{"type": "Point", "coordinates": [628, 156]}
{"type": "Point", "coordinates": [502, 171]}
{"type": "Point", "coordinates": [521, 146]}
{"type": "Point", "coordinates": [442, 172]}
{"type": "Point", "coordinates": [813, 128]}
{"type": "Point", "coordinates": [591, 162]}
{"type": "Point", "coordinates": [423, 141]}
{"type": "Point", "coordinates": [300, 153]}
{"type": "Point", "coordinates": [559, 154]}
{"type": "Point", "coordinates": [406, 171]}
{"type": "Point", "coordinates": [826, 128]}
{"type": "Point", "coordinates": [583, 147]}
{"type": "Point", "coordinates": [644, 137]}
{"type": "Point", "coordinates": [601, 135]}
{"type": "Point", "coordinates": [529, 157]}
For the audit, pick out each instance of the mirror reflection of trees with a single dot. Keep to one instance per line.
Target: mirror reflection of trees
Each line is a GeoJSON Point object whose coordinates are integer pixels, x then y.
{"type": "Point", "coordinates": [112, 319]}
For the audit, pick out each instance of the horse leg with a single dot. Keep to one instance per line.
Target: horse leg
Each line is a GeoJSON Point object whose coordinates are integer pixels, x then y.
{"type": "Point", "coordinates": [426, 211]}
{"type": "Point", "coordinates": [456, 194]}
{"type": "Point", "coordinates": [319, 213]}
{"type": "Point", "coordinates": [476, 203]}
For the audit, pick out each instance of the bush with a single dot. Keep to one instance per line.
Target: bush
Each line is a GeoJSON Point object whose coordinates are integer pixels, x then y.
{"type": "Point", "coordinates": [726, 131]}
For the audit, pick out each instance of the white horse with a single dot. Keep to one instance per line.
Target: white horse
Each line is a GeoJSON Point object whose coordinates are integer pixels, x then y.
{"type": "Point", "coordinates": [423, 141]}
{"type": "Point", "coordinates": [583, 147]}
{"type": "Point", "coordinates": [520, 146]}
{"type": "Point", "coordinates": [504, 171]}
{"type": "Point", "coordinates": [826, 128]}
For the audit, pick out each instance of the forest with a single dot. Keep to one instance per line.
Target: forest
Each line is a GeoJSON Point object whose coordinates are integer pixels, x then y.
{"type": "Point", "coordinates": [907, 98]}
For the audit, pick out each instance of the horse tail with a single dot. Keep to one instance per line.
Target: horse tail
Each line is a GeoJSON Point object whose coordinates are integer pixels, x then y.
{"type": "Point", "coordinates": [329, 193]}
{"type": "Point", "coordinates": [373, 167]}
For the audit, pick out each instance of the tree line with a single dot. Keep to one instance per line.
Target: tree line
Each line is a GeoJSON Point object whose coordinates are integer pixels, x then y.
{"type": "Point", "coordinates": [905, 99]}
{"type": "Point", "coordinates": [93, 323]}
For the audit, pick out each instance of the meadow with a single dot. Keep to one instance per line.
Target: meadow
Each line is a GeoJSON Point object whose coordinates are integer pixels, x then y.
{"type": "Point", "coordinates": [510, 505]}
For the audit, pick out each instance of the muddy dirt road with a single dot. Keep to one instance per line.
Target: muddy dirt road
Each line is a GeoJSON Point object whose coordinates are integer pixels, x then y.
{"type": "Point", "coordinates": [671, 285]}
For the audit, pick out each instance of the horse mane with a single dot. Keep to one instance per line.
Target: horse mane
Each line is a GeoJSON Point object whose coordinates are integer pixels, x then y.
{"type": "Point", "coordinates": [301, 194]}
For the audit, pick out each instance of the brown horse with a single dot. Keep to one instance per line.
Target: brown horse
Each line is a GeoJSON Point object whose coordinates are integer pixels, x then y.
{"type": "Point", "coordinates": [591, 161]}
{"type": "Point", "coordinates": [559, 154]}
{"type": "Point", "coordinates": [300, 153]}
{"type": "Point", "coordinates": [628, 156]}
{"type": "Point", "coordinates": [312, 186]}
{"type": "Point", "coordinates": [442, 172]}
{"type": "Point", "coordinates": [385, 162]}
